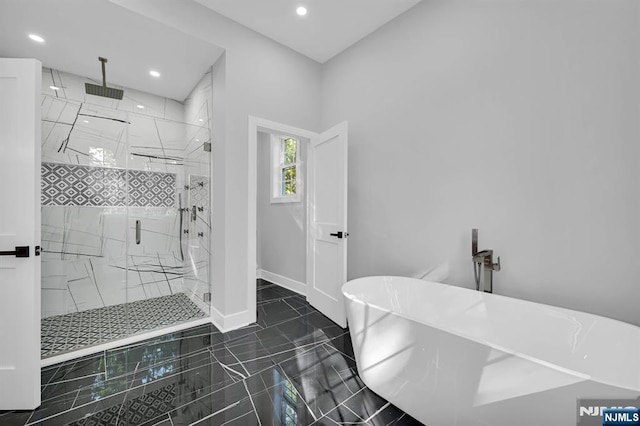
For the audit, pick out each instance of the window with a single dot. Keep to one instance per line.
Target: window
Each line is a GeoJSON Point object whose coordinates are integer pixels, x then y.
{"type": "Point", "coordinates": [285, 174]}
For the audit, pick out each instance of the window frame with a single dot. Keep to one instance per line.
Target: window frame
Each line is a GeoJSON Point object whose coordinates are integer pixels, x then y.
{"type": "Point", "coordinates": [277, 166]}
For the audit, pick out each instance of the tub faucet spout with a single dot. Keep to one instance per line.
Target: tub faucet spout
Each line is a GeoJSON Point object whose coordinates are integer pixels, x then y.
{"type": "Point", "coordinates": [484, 260]}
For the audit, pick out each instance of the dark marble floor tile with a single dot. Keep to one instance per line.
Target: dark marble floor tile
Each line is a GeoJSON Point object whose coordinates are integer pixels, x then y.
{"type": "Point", "coordinates": [393, 416]}
{"type": "Point", "coordinates": [310, 328]}
{"type": "Point", "coordinates": [81, 367]}
{"type": "Point", "coordinates": [135, 410]}
{"type": "Point", "coordinates": [375, 410]}
{"type": "Point", "coordinates": [365, 403]}
{"type": "Point", "coordinates": [241, 332]}
{"type": "Point", "coordinates": [227, 403]}
{"type": "Point", "coordinates": [343, 344]}
{"type": "Point", "coordinates": [69, 387]}
{"type": "Point", "coordinates": [341, 415]}
{"type": "Point", "coordinates": [14, 418]}
{"type": "Point", "coordinates": [245, 354]}
{"type": "Point", "coordinates": [294, 366]}
{"type": "Point", "coordinates": [265, 294]}
{"type": "Point", "coordinates": [165, 422]}
{"type": "Point", "coordinates": [274, 312]}
{"type": "Point", "coordinates": [323, 377]}
{"type": "Point", "coordinates": [260, 284]}
{"type": "Point", "coordinates": [274, 341]}
{"type": "Point", "coordinates": [300, 304]}
{"type": "Point", "coordinates": [282, 405]}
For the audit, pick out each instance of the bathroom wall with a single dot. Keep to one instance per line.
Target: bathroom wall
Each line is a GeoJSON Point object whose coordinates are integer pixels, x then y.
{"type": "Point", "coordinates": [281, 227]}
{"type": "Point", "coordinates": [519, 118]}
{"type": "Point", "coordinates": [90, 258]}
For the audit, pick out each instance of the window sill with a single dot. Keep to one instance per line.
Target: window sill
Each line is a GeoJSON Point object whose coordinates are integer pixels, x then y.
{"type": "Point", "coordinates": [282, 200]}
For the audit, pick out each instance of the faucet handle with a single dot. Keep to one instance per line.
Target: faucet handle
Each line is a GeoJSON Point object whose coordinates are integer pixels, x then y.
{"type": "Point", "coordinates": [496, 266]}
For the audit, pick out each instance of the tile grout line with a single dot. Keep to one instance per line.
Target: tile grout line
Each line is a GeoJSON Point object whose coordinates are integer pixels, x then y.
{"type": "Point", "coordinates": [341, 379]}
{"type": "Point", "coordinates": [244, 382]}
{"type": "Point", "coordinates": [378, 411]}
{"type": "Point", "coordinates": [235, 418]}
{"type": "Point", "coordinates": [124, 400]}
{"type": "Point", "coordinates": [213, 414]}
{"type": "Point", "coordinates": [298, 312]}
{"type": "Point", "coordinates": [237, 359]}
{"type": "Point", "coordinates": [354, 413]}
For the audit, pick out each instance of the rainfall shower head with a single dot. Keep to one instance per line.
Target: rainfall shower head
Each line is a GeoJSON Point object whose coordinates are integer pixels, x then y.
{"type": "Point", "coordinates": [104, 91]}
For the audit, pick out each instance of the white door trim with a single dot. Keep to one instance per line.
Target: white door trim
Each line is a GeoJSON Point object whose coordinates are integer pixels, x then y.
{"type": "Point", "coordinates": [256, 125]}
{"type": "Point", "coordinates": [20, 225]}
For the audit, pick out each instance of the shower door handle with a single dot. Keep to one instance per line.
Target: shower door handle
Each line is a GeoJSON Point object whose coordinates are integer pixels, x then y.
{"type": "Point", "coordinates": [21, 251]}
{"type": "Point", "coordinates": [137, 232]}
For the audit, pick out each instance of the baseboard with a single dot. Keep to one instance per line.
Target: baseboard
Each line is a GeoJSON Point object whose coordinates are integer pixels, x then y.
{"type": "Point", "coordinates": [288, 283]}
{"type": "Point", "coordinates": [226, 323]}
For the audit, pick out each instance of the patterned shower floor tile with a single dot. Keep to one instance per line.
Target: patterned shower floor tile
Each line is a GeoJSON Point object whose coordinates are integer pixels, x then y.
{"type": "Point", "coordinates": [63, 333]}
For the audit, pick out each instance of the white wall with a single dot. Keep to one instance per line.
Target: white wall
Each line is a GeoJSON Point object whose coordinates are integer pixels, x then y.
{"type": "Point", "coordinates": [516, 117]}
{"type": "Point", "coordinates": [260, 77]}
{"type": "Point", "coordinates": [281, 227]}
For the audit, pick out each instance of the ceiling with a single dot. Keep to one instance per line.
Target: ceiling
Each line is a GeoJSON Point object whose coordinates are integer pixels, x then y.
{"type": "Point", "coordinates": [329, 27]}
{"type": "Point", "coordinates": [76, 32]}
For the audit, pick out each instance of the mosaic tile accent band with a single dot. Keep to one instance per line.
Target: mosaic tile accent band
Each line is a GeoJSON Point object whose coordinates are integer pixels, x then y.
{"type": "Point", "coordinates": [74, 185]}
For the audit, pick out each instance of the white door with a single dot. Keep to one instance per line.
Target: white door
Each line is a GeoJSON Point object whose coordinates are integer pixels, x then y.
{"type": "Point", "coordinates": [327, 240]}
{"type": "Point", "coordinates": [20, 82]}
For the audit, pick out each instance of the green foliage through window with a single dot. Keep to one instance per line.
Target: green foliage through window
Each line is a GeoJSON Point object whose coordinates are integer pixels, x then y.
{"type": "Point", "coordinates": [289, 167]}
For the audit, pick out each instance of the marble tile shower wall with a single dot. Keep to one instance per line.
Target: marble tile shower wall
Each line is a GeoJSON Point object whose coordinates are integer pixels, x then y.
{"type": "Point", "coordinates": [90, 257]}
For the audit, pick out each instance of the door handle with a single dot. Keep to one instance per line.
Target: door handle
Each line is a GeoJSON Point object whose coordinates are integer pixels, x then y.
{"type": "Point", "coordinates": [340, 234]}
{"type": "Point", "coordinates": [20, 251]}
{"type": "Point", "coordinates": [138, 232]}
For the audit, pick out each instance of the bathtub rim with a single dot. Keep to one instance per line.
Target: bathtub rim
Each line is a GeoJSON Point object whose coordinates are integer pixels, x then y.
{"type": "Point", "coordinates": [350, 297]}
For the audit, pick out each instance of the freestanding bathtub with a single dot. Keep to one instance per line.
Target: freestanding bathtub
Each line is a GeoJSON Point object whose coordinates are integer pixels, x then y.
{"type": "Point", "coordinates": [452, 356]}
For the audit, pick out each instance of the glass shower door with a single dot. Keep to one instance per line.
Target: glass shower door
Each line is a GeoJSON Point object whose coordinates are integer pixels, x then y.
{"type": "Point", "coordinates": [84, 218]}
{"type": "Point", "coordinates": [161, 265]}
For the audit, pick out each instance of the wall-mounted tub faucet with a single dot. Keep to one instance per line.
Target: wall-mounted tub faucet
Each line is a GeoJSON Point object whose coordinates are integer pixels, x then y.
{"type": "Point", "coordinates": [483, 259]}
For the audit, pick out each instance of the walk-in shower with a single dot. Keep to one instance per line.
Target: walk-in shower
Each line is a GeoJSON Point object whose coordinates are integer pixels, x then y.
{"type": "Point", "coordinates": [125, 212]}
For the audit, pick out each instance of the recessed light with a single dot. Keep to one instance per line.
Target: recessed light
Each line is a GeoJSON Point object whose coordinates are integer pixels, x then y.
{"type": "Point", "coordinates": [140, 106]}
{"type": "Point", "coordinates": [197, 140]}
{"type": "Point", "coordinates": [85, 121]}
{"type": "Point", "coordinates": [301, 11]}
{"type": "Point", "coordinates": [54, 88]}
{"type": "Point", "coordinates": [36, 37]}
{"type": "Point", "coordinates": [201, 119]}
{"type": "Point", "coordinates": [154, 73]}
